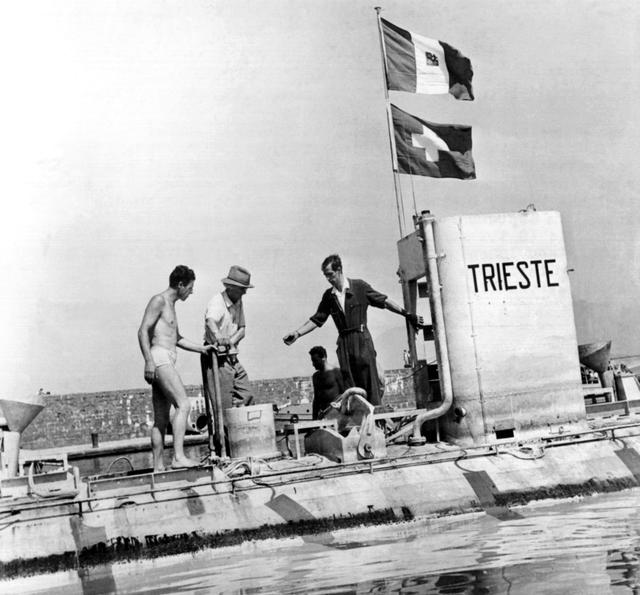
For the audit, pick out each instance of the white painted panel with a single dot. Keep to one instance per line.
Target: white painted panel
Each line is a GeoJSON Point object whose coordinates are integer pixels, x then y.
{"type": "Point", "coordinates": [509, 321]}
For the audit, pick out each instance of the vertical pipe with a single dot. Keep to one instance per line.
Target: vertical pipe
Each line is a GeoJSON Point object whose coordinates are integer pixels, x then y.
{"type": "Point", "coordinates": [425, 223]}
{"type": "Point", "coordinates": [435, 301]}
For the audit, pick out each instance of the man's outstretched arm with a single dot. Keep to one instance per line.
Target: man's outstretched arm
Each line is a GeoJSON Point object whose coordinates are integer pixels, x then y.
{"type": "Point", "coordinates": [415, 320]}
{"type": "Point", "coordinates": [293, 336]}
{"type": "Point", "coordinates": [189, 345]}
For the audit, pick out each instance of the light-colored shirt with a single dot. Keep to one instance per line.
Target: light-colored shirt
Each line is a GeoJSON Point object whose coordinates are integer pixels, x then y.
{"type": "Point", "coordinates": [225, 316]}
{"type": "Point", "coordinates": [341, 295]}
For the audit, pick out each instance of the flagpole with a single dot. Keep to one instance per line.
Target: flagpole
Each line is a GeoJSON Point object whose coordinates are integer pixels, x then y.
{"type": "Point", "coordinates": [392, 143]}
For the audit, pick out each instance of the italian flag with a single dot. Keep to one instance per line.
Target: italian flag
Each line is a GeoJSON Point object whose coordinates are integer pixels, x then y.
{"type": "Point", "coordinates": [418, 64]}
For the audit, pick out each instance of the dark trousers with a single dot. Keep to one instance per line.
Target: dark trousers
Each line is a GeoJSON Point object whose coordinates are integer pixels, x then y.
{"type": "Point", "coordinates": [357, 358]}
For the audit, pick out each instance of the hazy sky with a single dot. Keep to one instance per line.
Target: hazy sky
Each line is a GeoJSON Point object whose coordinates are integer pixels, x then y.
{"type": "Point", "coordinates": [138, 135]}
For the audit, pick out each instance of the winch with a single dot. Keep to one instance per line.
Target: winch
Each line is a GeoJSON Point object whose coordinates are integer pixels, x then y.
{"type": "Point", "coordinates": [355, 437]}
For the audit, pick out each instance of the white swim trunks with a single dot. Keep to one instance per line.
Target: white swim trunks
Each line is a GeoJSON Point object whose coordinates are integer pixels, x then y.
{"type": "Point", "coordinates": [163, 356]}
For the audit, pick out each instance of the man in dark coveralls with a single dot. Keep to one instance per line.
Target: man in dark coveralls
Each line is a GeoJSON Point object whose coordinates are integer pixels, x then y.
{"type": "Point", "coordinates": [346, 302]}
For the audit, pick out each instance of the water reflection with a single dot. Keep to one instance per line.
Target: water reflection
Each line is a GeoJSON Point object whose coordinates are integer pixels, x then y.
{"type": "Point", "coordinates": [623, 567]}
{"type": "Point", "coordinates": [579, 546]}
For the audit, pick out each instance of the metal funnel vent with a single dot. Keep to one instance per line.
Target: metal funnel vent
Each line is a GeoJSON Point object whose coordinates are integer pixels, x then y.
{"type": "Point", "coordinates": [19, 413]}
{"type": "Point", "coordinates": [595, 355]}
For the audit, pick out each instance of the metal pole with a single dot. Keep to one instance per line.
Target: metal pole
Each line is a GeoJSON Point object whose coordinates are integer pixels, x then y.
{"type": "Point", "coordinates": [217, 406]}
{"type": "Point", "coordinates": [213, 401]}
{"type": "Point", "coordinates": [206, 365]}
{"type": "Point", "coordinates": [392, 144]}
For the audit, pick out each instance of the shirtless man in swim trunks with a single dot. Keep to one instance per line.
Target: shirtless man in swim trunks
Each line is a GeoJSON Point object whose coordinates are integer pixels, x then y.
{"type": "Point", "coordinates": [159, 336]}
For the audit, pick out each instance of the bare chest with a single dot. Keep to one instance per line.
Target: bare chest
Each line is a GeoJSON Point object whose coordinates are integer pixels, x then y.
{"type": "Point", "coordinates": [168, 322]}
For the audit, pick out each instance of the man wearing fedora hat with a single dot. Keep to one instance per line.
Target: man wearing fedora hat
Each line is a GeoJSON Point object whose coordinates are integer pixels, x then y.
{"type": "Point", "coordinates": [225, 328]}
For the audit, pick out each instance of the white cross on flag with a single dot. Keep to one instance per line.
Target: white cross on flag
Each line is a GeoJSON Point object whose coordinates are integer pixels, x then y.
{"type": "Point", "coordinates": [434, 150]}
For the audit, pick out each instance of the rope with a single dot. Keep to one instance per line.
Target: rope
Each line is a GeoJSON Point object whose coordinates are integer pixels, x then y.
{"type": "Point", "coordinates": [527, 453]}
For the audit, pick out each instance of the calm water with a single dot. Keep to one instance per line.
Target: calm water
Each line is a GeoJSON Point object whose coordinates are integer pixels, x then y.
{"type": "Point", "coordinates": [584, 546]}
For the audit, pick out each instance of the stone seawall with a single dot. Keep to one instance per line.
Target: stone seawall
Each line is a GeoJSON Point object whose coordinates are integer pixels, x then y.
{"type": "Point", "coordinates": [120, 414]}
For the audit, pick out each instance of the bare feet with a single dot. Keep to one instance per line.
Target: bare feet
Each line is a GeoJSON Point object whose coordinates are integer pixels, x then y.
{"type": "Point", "coordinates": [183, 462]}
{"type": "Point", "coordinates": [158, 469]}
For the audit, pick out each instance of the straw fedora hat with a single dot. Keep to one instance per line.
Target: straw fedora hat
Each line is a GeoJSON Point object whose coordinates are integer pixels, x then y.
{"type": "Point", "coordinates": [238, 276]}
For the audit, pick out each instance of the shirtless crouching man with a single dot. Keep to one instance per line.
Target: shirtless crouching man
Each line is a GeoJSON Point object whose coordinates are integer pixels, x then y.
{"type": "Point", "coordinates": [158, 336]}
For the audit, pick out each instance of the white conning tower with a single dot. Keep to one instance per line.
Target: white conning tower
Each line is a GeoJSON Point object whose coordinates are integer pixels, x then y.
{"type": "Point", "coordinates": [509, 326]}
